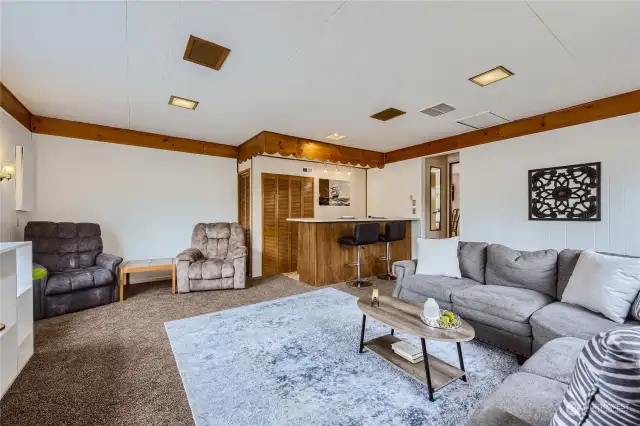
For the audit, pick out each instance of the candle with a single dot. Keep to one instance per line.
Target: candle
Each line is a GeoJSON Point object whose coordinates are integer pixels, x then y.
{"type": "Point", "coordinates": [431, 309]}
{"type": "Point", "coordinates": [374, 294]}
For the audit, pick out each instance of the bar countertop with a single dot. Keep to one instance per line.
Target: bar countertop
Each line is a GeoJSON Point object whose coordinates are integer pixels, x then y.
{"type": "Point", "coordinates": [353, 219]}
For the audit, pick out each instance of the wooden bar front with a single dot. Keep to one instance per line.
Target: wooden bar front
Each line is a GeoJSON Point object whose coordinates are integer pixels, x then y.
{"type": "Point", "coordinates": [322, 261]}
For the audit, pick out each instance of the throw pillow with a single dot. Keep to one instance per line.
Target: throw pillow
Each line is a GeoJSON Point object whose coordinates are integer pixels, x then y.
{"type": "Point", "coordinates": [604, 284]}
{"type": "Point", "coordinates": [438, 257]}
{"type": "Point", "coordinates": [635, 309]}
{"type": "Point", "coordinates": [604, 387]}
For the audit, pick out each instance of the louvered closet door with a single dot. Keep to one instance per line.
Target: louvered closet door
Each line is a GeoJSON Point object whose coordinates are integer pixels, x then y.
{"type": "Point", "coordinates": [269, 225]}
{"type": "Point", "coordinates": [296, 212]}
{"type": "Point", "coordinates": [283, 197]}
{"type": "Point", "coordinates": [284, 237]}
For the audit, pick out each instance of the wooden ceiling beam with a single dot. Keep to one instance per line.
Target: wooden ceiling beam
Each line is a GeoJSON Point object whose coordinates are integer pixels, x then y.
{"type": "Point", "coordinates": [601, 109]}
{"type": "Point", "coordinates": [276, 143]}
{"type": "Point", "coordinates": [96, 132]}
{"type": "Point", "coordinates": [14, 107]}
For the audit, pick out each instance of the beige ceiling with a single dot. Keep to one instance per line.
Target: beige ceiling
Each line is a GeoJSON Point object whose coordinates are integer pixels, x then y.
{"type": "Point", "coordinates": [312, 68]}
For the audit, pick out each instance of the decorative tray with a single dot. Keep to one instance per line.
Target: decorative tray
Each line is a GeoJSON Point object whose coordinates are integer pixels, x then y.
{"type": "Point", "coordinates": [437, 324]}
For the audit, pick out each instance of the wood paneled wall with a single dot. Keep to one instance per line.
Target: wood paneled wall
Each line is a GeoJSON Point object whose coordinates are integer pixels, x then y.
{"type": "Point", "coordinates": [276, 143]}
{"type": "Point", "coordinates": [283, 196]}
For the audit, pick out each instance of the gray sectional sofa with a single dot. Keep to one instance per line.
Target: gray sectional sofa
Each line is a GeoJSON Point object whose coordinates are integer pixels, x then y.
{"type": "Point", "coordinates": [511, 297]}
{"type": "Point", "coordinates": [532, 395]}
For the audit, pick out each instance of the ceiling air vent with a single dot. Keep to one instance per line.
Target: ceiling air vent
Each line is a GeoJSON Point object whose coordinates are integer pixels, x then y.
{"type": "Point", "coordinates": [437, 110]}
{"type": "Point", "coordinates": [482, 120]}
{"type": "Point", "coordinates": [205, 53]}
{"type": "Point", "coordinates": [388, 114]}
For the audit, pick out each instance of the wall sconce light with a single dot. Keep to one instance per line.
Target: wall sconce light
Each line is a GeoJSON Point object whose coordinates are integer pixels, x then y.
{"type": "Point", "coordinates": [349, 173]}
{"type": "Point", "coordinates": [337, 169]}
{"type": "Point", "coordinates": [7, 172]}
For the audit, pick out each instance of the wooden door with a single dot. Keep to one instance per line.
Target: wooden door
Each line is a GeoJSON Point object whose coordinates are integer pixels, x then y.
{"type": "Point", "coordinates": [269, 225]}
{"type": "Point", "coordinates": [283, 197]}
{"type": "Point", "coordinates": [244, 211]}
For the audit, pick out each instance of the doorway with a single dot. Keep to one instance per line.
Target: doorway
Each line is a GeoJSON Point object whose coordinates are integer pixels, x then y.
{"type": "Point", "coordinates": [454, 199]}
{"type": "Point", "coordinates": [437, 196]}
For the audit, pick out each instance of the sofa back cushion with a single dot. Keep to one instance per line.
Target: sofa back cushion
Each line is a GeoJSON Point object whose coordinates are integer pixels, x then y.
{"type": "Point", "coordinates": [216, 240]}
{"type": "Point", "coordinates": [473, 260]}
{"type": "Point", "coordinates": [60, 246]}
{"type": "Point", "coordinates": [604, 387]}
{"type": "Point", "coordinates": [567, 260]}
{"type": "Point", "coordinates": [534, 270]}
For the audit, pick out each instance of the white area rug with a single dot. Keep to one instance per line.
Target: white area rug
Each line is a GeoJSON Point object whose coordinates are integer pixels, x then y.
{"type": "Point", "coordinates": [295, 361]}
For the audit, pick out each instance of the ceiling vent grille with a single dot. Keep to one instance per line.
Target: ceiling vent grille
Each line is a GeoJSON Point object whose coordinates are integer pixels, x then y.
{"type": "Point", "coordinates": [205, 53]}
{"type": "Point", "coordinates": [482, 120]}
{"type": "Point", "coordinates": [437, 110]}
{"type": "Point", "coordinates": [388, 114]}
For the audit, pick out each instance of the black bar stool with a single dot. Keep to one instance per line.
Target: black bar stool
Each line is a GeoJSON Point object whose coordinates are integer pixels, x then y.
{"type": "Point", "coordinates": [365, 233]}
{"type": "Point", "coordinates": [393, 231]}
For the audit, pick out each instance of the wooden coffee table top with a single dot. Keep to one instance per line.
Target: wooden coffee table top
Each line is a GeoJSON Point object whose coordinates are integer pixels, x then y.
{"type": "Point", "coordinates": [405, 316]}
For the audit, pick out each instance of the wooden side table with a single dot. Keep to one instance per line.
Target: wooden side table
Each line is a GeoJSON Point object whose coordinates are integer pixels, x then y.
{"type": "Point", "coordinates": [146, 265]}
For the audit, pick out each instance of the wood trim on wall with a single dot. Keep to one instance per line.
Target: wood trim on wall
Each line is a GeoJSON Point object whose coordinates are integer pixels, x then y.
{"type": "Point", "coordinates": [14, 107]}
{"type": "Point", "coordinates": [614, 106]}
{"type": "Point", "coordinates": [95, 132]}
{"type": "Point", "coordinates": [276, 143]}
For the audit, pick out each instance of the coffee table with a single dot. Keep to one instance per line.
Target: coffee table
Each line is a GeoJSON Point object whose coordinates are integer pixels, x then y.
{"type": "Point", "coordinates": [405, 316]}
{"type": "Point", "coordinates": [147, 265]}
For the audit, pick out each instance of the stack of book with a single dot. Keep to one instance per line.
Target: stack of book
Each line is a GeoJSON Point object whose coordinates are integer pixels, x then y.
{"type": "Point", "coordinates": [407, 351]}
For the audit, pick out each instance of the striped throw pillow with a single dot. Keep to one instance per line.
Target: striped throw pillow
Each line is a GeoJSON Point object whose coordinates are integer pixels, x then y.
{"type": "Point", "coordinates": [635, 309]}
{"type": "Point", "coordinates": [605, 387]}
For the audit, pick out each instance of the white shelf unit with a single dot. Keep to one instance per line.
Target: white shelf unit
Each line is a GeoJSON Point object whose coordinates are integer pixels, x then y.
{"type": "Point", "coordinates": [16, 311]}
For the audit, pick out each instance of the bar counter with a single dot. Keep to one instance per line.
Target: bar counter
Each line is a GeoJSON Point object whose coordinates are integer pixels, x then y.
{"type": "Point", "coordinates": [321, 260]}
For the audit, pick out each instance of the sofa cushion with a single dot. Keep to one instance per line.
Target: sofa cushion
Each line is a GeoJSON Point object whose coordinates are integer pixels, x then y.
{"type": "Point", "coordinates": [604, 284]}
{"type": "Point", "coordinates": [536, 270]}
{"type": "Point", "coordinates": [510, 303]}
{"type": "Point", "coordinates": [438, 287]}
{"type": "Point", "coordinates": [530, 398]}
{"type": "Point", "coordinates": [473, 260]}
{"type": "Point", "coordinates": [561, 319]}
{"type": "Point", "coordinates": [567, 261]}
{"type": "Point", "coordinates": [605, 388]}
{"type": "Point", "coordinates": [80, 279]}
{"type": "Point", "coordinates": [556, 359]}
{"type": "Point", "coordinates": [211, 269]}
{"type": "Point", "coordinates": [513, 327]}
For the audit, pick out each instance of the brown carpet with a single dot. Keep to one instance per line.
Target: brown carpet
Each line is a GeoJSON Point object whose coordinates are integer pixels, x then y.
{"type": "Point", "coordinates": [113, 365]}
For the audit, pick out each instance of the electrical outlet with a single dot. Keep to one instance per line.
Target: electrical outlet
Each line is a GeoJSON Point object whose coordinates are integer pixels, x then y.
{"type": "Point", "coordinates": [414, 210]}
{"type": "Point", "coordinates": [413, 203]}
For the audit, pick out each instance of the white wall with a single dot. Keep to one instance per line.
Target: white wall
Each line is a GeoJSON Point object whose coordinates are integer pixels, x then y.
{"type": "Point", "coordinates": [145, 200]}
{"type": "Point", "coordinates": [12, 133]}
{"type": "Point", "coordinates": [389, 192]}
{"type": "Point", "coordinates": [494, 187]}
{"type": "Point", "coordinates": [262, 164]}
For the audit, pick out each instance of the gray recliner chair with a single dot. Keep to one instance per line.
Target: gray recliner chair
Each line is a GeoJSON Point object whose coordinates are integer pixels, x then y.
{"type": "Point", "coordinates": [79, 274]}
{"type": "Point", "coordinates": [217, 259]}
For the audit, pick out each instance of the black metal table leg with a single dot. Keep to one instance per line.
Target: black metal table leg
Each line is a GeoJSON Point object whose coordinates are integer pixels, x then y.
{"type": "Point", "coordinates": [464, 378]}
{"type": "Point", "coordinates": [364, 321]}
{"type": "Point", "coordinates": [392, 331]}
{"type": "Point", "coordinates": [425, 358]}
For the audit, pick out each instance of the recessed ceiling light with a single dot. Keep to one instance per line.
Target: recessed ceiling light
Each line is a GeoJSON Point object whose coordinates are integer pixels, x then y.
{"type": "Point", "coordinates": [182, 102]}
{"type": "Point", "coordinates": [491, 76]}
{"type": "Point", "coordinates": [335, 137]}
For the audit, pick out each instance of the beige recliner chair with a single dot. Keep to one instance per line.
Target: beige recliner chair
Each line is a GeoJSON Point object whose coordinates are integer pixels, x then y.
{"type": "Point", "coordinates": [217, 259]}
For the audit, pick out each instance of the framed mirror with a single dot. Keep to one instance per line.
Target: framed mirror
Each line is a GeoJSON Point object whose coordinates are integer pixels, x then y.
{"type": "Point", "coordinates": [435, 174]}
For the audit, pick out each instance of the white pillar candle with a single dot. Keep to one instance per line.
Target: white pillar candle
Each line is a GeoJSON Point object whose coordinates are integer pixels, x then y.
{"type": "Point", "coordinates": [374, 294]}
{"type": "Point", "coordinates": [431, 309]}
